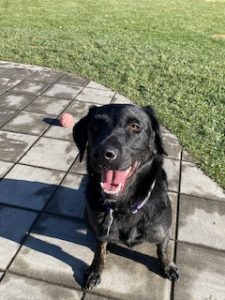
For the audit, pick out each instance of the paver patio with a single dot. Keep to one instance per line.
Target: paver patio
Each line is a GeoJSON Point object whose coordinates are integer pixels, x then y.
{"type": "Point", "coordinates": [44, 243]}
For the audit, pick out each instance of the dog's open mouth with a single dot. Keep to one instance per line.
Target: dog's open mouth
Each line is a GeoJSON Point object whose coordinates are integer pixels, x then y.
{"type": "Point", "coordinates": [113, 182]}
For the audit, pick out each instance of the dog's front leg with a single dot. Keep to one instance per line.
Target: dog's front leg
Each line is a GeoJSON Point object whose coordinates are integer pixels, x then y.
{"type": "Point", "coordinates": [170, 268]}
{"type": "Point", "coordinates": [93, 274]}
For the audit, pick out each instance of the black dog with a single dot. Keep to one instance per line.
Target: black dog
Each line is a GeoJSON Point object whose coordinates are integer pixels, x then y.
{"type": "Point", "coordinates": [127, 189]}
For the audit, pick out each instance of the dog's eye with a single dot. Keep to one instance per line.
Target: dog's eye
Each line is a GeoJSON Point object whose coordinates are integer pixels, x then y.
{"type": "Point", "coordinates": [134, 127]}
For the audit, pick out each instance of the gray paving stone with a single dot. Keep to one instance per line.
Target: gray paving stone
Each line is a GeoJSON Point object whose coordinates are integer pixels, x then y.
{"type": "Point", "coordinates": [73, 80]}
{"type": "Point", "coordinates": [2, 70]}
{"type": "Point", "coordinates": [27, 122]}
{"type": "Point", "coordinates": [120, 99]}
{"type": "Point", "coordinates": [48, 105]}
{"type": "Point", "coordinates": [187, 157]}
{"type": "Point", "coordinates": [79, 167]}
{"type": "Point", "coordinates": [4, 167]}
{"type": "Point", "coordinates": [195, 182]}
{"type": "Point", "coordinates": [11, 65]}
{"type": "Point", "coordinates": [7, 83]}
{"type": "Point", "coordinates": [172, 168]}
{"type": "Point", "coordinates": [52, 154]}
{"type": "Point", "coordinates": [14, 145]}
{"type": "Point", "coordinates": [15, 101]}
{"type": "Point", "coordinates": [95, 85]}
{"type": "Point", "coordinates": [20, 288]}
{"type": "Point", "coordinates": [63, 91]}
{"type": "Point", "coordinates": [69, 199]}
{"type": "Point", "coordinates": [172, 145]}
{"type": "Point", "coordinates": [134, 274]}
{"type": "Point", "coordinates": [14, 223]}
{"type": "Point", "coordinates": [29, 187]}
{"type": "Point", "coordinates": [20, 73]}
{"type": "Point", "coordinates": [47, 76]}
{"type": "Point", "coordinates": [59, 132]}
{"type": "Point", "coordinates": [5, 115]}
{"type": "Point", "coordinates": [164, 129]}
{"type": "Point", "coordinates": [31, 87]}
{"type": "Point", "coordinates": [202, 221]}
{"type": "Point", "coordinates": [58, 247]}
{"type": "Point", "coordinates": [91, 296]}
{"type": "Point", "coordinates": [58, 250]}
{"type": "Point", "coordinates": [202, 272]}
{"type": "Point", "coordinates": [78, 109]}
{"type": "Point", "coordinates": [95, 96]}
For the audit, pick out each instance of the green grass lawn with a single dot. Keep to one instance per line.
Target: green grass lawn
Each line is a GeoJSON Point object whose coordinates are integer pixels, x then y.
{"type": "Point", "coordinates": [155, 52]}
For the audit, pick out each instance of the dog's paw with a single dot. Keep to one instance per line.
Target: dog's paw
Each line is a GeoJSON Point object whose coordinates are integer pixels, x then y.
{"type": "Point", "coordinates": [172, 272]}
{"type": "Point", "coordinates": [91, 279]}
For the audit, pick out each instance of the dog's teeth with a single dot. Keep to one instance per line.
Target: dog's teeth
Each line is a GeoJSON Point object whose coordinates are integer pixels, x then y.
{"type": "Point", "coordinates": [116, 191]}
{"type": "Point", "coordinates": [128, 170]}
{"type": "Point", "coordinates": [119, 187]}
{"type": "Point", "coordinates": [110, 192]}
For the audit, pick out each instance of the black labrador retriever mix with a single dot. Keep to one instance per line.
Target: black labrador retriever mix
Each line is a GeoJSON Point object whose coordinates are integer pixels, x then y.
{"type": "Point", "coordinates": [127, 198]}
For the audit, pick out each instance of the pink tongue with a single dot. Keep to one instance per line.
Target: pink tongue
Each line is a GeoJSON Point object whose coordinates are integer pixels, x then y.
{"type": "Point", "coordinates": [111, 179]}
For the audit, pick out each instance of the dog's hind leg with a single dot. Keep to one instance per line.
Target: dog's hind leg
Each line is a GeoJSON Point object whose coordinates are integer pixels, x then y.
{"type": "Point", "coordinates": [93, 274]}
{"type": "Point", "coordinates": [170, 268]}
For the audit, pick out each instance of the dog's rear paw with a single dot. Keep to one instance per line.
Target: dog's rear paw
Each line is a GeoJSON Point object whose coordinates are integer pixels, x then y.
{"type": "Point", "coordinates": [172, 272]}
{"type": "Point", "coordinates": [91, 279]}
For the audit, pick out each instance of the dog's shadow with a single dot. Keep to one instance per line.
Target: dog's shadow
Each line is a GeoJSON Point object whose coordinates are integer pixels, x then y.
{"type": "Point", "coordinates": [150, 262]}
{"type": "Point", "coordinates": [77, 265]}
{"type": "Point", "coordinates": [15, 222]}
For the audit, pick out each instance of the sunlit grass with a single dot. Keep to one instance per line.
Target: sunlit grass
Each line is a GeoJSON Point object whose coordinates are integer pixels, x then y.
{"type": "Point", "coordinates": [155, 52]}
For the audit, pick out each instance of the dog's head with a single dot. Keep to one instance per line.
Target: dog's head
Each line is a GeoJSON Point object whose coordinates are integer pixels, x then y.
{"type": "Point", "coordinates": [120, 139]}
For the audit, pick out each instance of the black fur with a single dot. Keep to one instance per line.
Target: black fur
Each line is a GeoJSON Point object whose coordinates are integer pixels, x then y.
{"type": "Point", "coordinates": [130, 134]}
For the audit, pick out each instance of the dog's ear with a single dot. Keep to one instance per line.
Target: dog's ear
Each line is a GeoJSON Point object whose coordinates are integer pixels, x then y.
{"type": "Point", "coordinates": [156, 127]}
{"type": "Point", "coordinates": [80, 132]}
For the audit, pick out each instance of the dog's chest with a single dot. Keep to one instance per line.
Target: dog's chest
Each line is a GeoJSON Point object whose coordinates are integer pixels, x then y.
{"type": "Point", "coordinates": [124, 229]}
{"type": "Point", "coordinates": [131, 231]}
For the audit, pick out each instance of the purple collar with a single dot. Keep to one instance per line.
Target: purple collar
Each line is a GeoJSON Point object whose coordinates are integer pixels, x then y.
{"type": "Point", "coordinates": [139, 204]}
{"type": "Point", "coordinates": [134, 208]}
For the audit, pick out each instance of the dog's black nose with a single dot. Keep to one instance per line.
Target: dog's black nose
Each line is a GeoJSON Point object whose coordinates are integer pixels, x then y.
{"type": "Point", "coordinates": [110, 154]}
{"type": "Point", "coordinates": [106, 154]}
